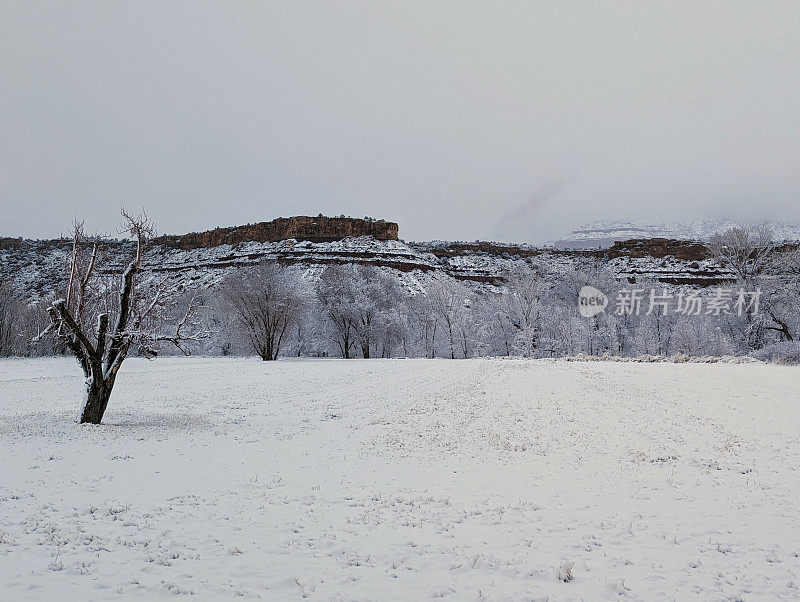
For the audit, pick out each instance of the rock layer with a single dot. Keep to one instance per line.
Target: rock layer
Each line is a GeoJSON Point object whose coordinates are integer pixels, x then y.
{"type": "Point", "coordinates": [301, 228]}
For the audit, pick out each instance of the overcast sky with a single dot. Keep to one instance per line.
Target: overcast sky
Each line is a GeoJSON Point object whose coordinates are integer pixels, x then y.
{"type": "Point", "coordinates": [493, 120]}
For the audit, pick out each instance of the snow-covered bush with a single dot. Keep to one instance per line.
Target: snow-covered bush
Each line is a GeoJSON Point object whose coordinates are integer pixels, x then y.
{"type": "Point", "coordinates": [787, 352]}
{"type": "Point", "coordinates": [564, 571]}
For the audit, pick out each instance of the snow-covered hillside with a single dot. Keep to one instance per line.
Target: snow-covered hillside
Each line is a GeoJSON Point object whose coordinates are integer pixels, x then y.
{"type": "Point", "coordinates": [603, 234]}
{"type": "Point", "coordinates": [479, 479]}
{"type": "Point", "coordinates": [37, 267]}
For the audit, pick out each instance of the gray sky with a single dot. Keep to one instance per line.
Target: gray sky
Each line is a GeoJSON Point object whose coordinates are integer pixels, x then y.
{"type": "Point", "coordinates": [500, 120]}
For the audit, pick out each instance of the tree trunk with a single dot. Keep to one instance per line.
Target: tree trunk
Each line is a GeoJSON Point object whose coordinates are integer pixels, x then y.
{"type": "Point", "coordinates": [97, 396]}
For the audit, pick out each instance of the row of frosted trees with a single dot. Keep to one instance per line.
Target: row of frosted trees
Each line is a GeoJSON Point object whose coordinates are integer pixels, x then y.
{"type": "Point", "coordinates": [364, 311]}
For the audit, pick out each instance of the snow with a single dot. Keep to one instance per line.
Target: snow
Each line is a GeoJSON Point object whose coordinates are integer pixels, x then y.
{"type": "Point", "coordinates": [604, 233]}
{"type": "Point", "coordinates": [402, 479]}
{"type": "Point", "coordinates": [36, 267]}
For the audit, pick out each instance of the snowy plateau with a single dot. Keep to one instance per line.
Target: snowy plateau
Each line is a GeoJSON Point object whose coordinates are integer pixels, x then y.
{"type": "Point", "coordinates": [482, 479]}
{"type": "Point", "coordinates": [604, 233]}
{"type": "Point", "coordinates": [671, 254]}
{"type": "Point", "coordinates": [36, 267]}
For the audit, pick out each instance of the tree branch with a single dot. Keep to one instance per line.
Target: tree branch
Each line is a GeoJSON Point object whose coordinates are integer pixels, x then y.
{"type": "Point", "coordinates": [67, 319]}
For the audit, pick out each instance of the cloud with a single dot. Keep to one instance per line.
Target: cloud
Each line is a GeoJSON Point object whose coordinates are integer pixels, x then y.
{"type": "Point", "coordinates": [522, 223]}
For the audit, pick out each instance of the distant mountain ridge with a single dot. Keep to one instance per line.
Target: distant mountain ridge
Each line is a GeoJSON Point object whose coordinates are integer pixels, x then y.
{"type": "Point", "coordinates": [603, 234]}
{"type": "Point", "coordinates": [199, 261]}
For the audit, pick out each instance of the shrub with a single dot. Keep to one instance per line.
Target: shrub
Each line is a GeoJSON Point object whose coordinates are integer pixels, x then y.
{"type": "Point", "coordinates": [787, 353]}
{"type": "Point", "coordinates": [564, 572]}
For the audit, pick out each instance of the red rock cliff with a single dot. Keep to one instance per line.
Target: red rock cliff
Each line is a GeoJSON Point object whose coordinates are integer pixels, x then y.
{"type": "Point", "coordinates": [315, 229]}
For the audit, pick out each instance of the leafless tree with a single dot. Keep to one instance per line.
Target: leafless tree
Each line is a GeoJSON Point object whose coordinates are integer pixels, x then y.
{"type": "Point", "coordinates": [375, 294]}
{"type": "Point", "coordinates": [14, 320]}
{"type": "Point", "coordinates": [82, 318]}
{"type": "Point", "coordinates": [746, 250]}
{"type": "Point", "coordinates": [448, 298]}
{"type": "Point", "coordinates": [266, 301]}
{"type": "Point", "coordinates": [338, 299]}
{"type": "Point", "coordinates": [523, 303]}
{"type": "Point", "coordinates": [364, 305]}
{"type": "Point", "coordinates": [499, 333]}
{"type": "Point", "coordinates": [781, 301]}
{"type": "Point", "coordinates": [423, 318]}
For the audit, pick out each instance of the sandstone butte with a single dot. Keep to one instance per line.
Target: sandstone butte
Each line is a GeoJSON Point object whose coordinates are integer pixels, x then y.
{"type": "Point", "coordinates": [314, 229]}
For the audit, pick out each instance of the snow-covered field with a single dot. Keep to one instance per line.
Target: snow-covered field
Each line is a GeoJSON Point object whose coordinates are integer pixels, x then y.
{"type": "Point", "coordinates": [402, 479]}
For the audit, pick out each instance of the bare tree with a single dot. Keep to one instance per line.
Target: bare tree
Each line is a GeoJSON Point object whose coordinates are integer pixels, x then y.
{"type": "Point", "coordinates": [14, 320]}
{"type": "Point", "coordinates": [375, 294]}
{"type": "Point", "coordinates": [337, 297]}
{"type": "Point", "coordinates": [92, 298]}
{"type": "Point", "coordinates": [423, 317]}
{"type": "Point", "coordinates": [781, 301]}
{"type": "Point", "coordinates": [266, 301]}
{"type": "Point", "coordinates": [447, 297]}
{"type": "Point", "coordinates": [523, 303]}
{"type": "Point", "coordinates": [396, 328]}
{"type": "Point", "coordinates": [499, 332]}
{"type": "Point", "coordinates": [745, 250]}
{"type": "Point", "coordinates": [358, 300]}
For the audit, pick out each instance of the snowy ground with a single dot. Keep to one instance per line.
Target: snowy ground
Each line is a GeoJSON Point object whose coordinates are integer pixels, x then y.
{"type": "Point", "coordinates": [402, 480]}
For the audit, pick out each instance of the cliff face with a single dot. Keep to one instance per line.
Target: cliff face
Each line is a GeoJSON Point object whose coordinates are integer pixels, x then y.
{"type": "Point", "coordinates": [686, 250]}
{"type": "Point", "coordinates": [302, 228]}
{"type": "Point", "coordinates": [10, 243]}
